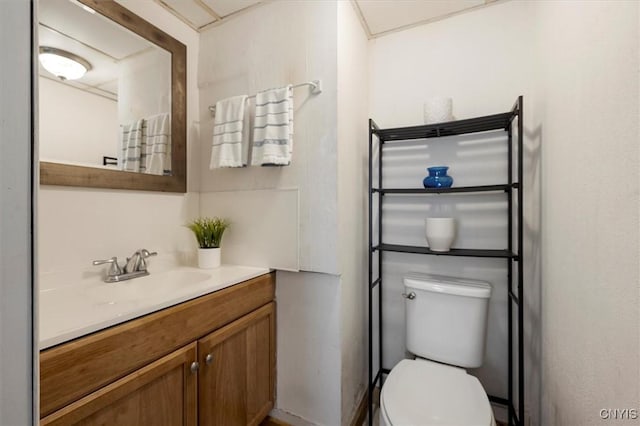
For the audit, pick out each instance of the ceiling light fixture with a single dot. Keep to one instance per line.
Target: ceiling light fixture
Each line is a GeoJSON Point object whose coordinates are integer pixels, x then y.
{"type": "Point", "coordinates": [63, 64]}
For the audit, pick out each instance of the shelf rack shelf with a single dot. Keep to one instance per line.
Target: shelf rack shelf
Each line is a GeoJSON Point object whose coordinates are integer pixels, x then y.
{"type": "Point", "coordinates": [451, 128]}
{"type": "Point", "coordinates": [506, 254]}
{"type": "Point", "coordinates": [455, 189]}
{"type": "Point", "coordinates": [497, 122]}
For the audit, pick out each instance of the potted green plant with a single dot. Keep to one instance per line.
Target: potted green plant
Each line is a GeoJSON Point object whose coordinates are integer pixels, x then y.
{"type": "Point", "coordinates": [208, 232]}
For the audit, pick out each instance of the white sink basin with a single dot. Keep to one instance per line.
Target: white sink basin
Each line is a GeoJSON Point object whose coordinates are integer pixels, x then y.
{"type": "Point", "coordinates": [73, 305]}
{"type": "Point", "coordinates": [153, 286]}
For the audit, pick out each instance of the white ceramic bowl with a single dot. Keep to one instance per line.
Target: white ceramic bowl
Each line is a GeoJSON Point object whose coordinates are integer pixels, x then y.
{"type": "Point", "coordinates": [440, 233]}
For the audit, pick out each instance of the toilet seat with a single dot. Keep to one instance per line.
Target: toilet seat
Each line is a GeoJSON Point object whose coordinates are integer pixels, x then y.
{"type": "Point", "coordinates": [425, 393]}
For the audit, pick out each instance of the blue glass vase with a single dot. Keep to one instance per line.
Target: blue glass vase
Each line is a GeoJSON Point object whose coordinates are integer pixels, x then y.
{"type": "Point", "coordinates": [438, 178]}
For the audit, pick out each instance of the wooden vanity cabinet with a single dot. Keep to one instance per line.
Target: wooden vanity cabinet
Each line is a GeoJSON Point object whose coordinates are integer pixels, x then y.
{"type": "Point", "coordinates": [161, 394]}
{"type": "Point", "coordinates": [236, 381]}
{"type": "Point", "coordinates": [208, 361]}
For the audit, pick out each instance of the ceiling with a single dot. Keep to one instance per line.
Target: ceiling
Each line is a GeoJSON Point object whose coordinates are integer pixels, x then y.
{"type": "Point", "coordinates": [378, 17]}
{"type": "Point", "coordinates": [201, 14]}
{"type": "Point", "coordinates": [65, 25]}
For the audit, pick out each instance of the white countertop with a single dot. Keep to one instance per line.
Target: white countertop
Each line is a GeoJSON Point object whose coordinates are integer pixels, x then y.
{"type": "Point", "coordinates": [73, 306]}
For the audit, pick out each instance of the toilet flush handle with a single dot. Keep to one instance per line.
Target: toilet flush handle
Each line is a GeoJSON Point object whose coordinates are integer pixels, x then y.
{"type": "Point", "coordinates": [409, 296]}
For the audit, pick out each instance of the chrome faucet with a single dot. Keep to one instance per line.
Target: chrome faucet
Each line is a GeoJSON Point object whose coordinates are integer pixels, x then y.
{"type": "Point", "coordinates": [137, 262]}
{"type": "Point", "coordinates": [136, 266]}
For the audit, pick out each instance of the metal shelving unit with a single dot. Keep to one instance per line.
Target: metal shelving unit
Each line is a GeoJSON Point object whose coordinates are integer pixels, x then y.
{"type": "Point", "coordinates": [511, 254]}
{"type": "Point", "coordinates": [456, 189]}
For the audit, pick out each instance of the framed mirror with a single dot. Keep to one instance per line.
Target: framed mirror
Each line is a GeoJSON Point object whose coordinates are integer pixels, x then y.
{"type": "Point", "coordinates": [112, 99]}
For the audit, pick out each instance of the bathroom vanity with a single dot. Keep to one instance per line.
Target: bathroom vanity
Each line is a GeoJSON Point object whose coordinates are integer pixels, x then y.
{"type": "Point", "coordinates": [209, 360]}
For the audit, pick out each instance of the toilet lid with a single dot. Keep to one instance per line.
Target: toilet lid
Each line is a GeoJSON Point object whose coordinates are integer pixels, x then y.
{"type": "Point", "coordinates": [420, 392]}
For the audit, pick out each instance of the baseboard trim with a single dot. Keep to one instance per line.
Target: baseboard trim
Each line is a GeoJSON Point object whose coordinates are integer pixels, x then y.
{"type": "Point", "coordinates": [282, 418]}
{"type": "Point", "coordinates": [361, 413]}
{"type": "Point", "coordinates": [272, 421]}
{"type": "Point", "coordinates": [285, 418]}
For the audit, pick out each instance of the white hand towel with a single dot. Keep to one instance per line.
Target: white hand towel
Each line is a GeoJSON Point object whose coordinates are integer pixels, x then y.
{"type": "Point", "coordinates": [273, 128]}
{"type": "Point", "coordinates": [230, 134]}
{"type": "Point", "coordinates": [132, 146]}
{"type": "Point", "coordinates": [157, 157]}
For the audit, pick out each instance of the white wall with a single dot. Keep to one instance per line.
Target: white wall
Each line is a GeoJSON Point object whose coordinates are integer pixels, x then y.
{"type": "Point", "coordinates": [257, 225]}
{"type": "Point", "coordinates": [483, 61]}
{"type": "Point", "coordinates": [588, 107]}
{"type": "Point", "coordinates": [577, 65]}
{"type": "Point", "coordinates": [76, 127]}
{"type": "Point", "coordinates": [144, 85]}
{"type": "Point", "coordinates": [18, 358]}
{"type": "Point", "coordinates": [251, 52]}
{"type": "Point", "coordinates": [353, 69]}
{"type": "Point", "coordinates": [478, 58]}
{"type": "Point", "coordinates": [78, 225]}
{"type": "Point", "coordinates": [255, 51]}
{"type": "Point", "coordinates": [321, 346]}
{"type": "Point", "coordinates": [309, 352]}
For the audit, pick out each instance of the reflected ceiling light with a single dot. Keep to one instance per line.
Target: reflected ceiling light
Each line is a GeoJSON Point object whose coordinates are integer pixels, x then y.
{"type": "Point", "coordinates": [63, 64]}
{"type": "Point", "coordinates": [84, 6]}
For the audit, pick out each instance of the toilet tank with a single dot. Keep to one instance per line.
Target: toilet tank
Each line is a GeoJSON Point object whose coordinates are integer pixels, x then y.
{"type": "Point", "coordinates": [447, 319]}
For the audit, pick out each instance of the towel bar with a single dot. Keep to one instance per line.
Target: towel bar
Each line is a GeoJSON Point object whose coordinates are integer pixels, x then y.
{"type": "Point", "coordinates": [316, 89]}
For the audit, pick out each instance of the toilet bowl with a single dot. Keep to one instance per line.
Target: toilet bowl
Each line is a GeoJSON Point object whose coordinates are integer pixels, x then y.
{"type": "Point", "coordinates": [425, 393]}
{"type": "Point", "coordinates": [446, 321]}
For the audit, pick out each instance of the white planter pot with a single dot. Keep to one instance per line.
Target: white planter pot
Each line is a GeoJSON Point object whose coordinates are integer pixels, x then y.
{"type": "Point", "coordinates": [440, 232]}
{"type": "Point", "coordinates": [438, 110]}
{"type": "Point", "coordinates": [208, 258]}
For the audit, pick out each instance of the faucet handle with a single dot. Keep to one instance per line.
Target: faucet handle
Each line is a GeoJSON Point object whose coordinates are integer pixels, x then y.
{"type": "Point", "coordinates": [144, 254]}
{"type": "Point", "coordinates": [114, 269]}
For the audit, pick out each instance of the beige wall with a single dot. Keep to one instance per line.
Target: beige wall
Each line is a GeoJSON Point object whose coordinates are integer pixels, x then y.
{"type": "Point", "coordinates": [144, 85]}
{"type": "Point", "coordinates": [588, 110]}
{"type": "Point", "coordinates": [309, 349]}
{"type": "Point", "coordinates": [69, 117]}
{"type": "Point", "coordinates": [577, 65]}
{"type": "Point", "coordinates": [353, 72]}
{"type": "Point", "coordinates": [255, 51]}
{"type": "Point", "coordinates": [483, 60]}
{"type": "Point", "coordinates": [322, 360]}
{"type": "Point", "coordinates": [269, 46]}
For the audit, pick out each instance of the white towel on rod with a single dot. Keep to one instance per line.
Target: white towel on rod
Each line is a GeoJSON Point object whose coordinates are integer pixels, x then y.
{"type": "Point", "coordinates": [131, 146]}
{"type": "Point", "coordinates": [273, 128]}
{"type": "Point", "coordinates": [157, 157]}
{"type": "Point", "coordinates": [230, 145]}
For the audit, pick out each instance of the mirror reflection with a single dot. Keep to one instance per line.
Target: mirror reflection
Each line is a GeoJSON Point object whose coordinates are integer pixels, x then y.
{"type": "Point", "coordinates": [104, 93]}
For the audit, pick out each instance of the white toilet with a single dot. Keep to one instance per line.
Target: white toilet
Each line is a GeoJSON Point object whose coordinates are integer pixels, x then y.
{"type": "Point", "coordinates": [446, 328]}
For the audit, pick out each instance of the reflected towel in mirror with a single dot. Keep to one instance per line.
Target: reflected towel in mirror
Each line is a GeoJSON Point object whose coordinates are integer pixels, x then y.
{"type": "Point", "coordinates": [132, 146]}
{"type": "Point", "coordinates": [146, 145]}
{"type": "Point", "coordinates": [157, 158]}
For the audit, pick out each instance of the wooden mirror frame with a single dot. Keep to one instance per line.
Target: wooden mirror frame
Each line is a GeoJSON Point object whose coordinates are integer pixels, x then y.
{"type": "Point", "coordinates": [68, 175]}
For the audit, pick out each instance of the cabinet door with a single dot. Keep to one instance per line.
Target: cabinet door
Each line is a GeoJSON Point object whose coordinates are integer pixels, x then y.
{"type": "Point", "coordinates": [236, 381]}
{"type": "Point", "coordinates": [161, 394]}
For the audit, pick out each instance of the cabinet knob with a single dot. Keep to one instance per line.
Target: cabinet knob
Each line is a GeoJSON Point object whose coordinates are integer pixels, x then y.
{"type": "Point", "coordinates": [194, 367]}
{"type": "Point", "coordinates": [208, 359]}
